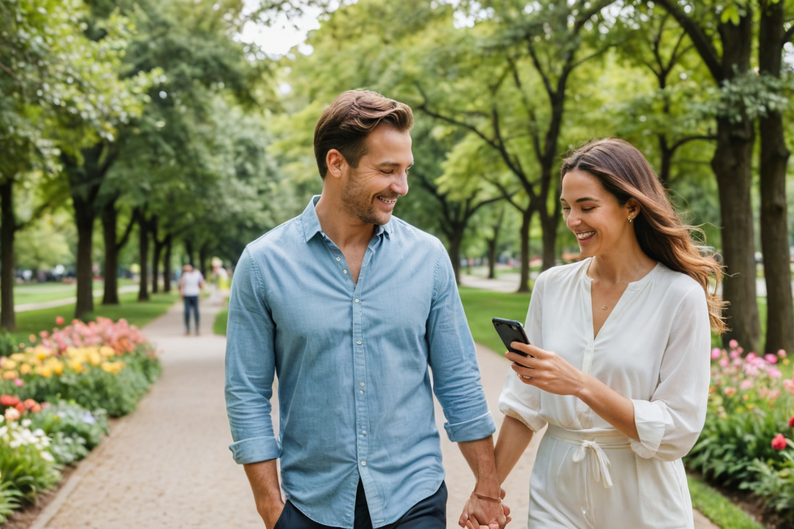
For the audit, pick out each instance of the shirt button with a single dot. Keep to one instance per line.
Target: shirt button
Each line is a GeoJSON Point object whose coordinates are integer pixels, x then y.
{"type": "Point", "coordinates": [361, 384]}
{"type": "Point", "coordinates": [363, 432]}
{"type": "Point", "coordinates": [363, 463]}
{"type": "Point", "coordinates": [359, 342]}
{"type": "Point", "coordinates": [361, 392]}
{"type": "Point", "coordinates": [338, 259]}
{"type": "Point", "coordinates": [345, 271]}
{"type": "Point", "coordinates": [356, 301]}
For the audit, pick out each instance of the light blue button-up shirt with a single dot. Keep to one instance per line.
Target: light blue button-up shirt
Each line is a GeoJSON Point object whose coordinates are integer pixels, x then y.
{"type": "Point", "coordinates": [354, 392]}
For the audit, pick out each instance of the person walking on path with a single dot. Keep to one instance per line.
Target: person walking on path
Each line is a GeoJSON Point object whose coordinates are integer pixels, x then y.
{"type": "Point", "coordinates": [191, 283]}
{"type": "Point", "coordinates": [619, 363]}
{"type": "Point", "coordinates": [354, 310]}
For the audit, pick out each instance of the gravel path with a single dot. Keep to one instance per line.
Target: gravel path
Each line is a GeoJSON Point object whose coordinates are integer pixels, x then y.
{"type": "Point", "coordinates": [168, 465]}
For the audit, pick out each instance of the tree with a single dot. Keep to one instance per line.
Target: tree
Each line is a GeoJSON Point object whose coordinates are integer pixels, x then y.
{"type": "Point", "coordinates": [724, 43]}
{"type": "Point", "coordinates": [774, 155]}
{"type": "Point", "coordinates": [661, 47]}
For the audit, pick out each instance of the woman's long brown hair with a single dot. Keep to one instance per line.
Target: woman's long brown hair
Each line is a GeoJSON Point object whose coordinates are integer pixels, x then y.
{"type": "Point", "coordinates": [625, 173]}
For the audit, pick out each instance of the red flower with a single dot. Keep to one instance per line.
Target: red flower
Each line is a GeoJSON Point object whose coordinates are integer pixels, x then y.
{"type": "Point", "coordinates": [791, 422]}
{"type": "Point", "coordinates": [779, 442]}
{"type": "Point", "coordinates": [21, 408]}
{"type": "Point", "coordinates": [59, 321]}
{"type": "Point", "coordinates": [29, 403]}
{"type": "Point", "coordinates": [8, 400]}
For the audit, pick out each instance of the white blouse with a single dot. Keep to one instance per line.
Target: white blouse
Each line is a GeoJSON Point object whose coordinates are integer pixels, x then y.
{"type": "Point", "coordinates": [653, 349]}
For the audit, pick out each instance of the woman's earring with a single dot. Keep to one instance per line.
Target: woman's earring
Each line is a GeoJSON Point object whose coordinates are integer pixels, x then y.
{"type": "Point", "coordinates": [630, 219]}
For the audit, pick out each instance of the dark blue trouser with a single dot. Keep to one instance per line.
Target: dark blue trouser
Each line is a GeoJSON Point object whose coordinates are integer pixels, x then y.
{"type": "Point", "coordinates": [191, 301]}
{"type": "Point", "coordinates": [430, 513]}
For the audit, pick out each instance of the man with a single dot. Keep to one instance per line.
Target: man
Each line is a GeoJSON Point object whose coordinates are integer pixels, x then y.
{"type": "Point", "coordinates": [350, 307]}
{"type": "Point", "coordinates": [191, 283]}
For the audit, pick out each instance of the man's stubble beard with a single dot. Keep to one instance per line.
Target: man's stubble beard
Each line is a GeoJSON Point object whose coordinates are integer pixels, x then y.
{"type": "Point", "coordinates": [357, 203]}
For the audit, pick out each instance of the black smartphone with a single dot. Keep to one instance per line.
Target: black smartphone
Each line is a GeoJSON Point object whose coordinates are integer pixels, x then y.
{"type": "Point", "coordinates": [510, 331]}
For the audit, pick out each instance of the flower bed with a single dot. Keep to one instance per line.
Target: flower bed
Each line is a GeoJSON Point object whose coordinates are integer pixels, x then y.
{"type": "Point", "coordinates": [56, 393]}
{"type": "Point", "coordinates": [746, 441]}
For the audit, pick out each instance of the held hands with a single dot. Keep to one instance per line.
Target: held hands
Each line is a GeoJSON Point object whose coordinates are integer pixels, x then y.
{"type": "Point", "coordinates": [483, 512]}
{"type": "Point", "coordinates": [546, 370]}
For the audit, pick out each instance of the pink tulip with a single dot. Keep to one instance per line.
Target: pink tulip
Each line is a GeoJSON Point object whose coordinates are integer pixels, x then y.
{"type": "Point", "coordinates": [733, 344]}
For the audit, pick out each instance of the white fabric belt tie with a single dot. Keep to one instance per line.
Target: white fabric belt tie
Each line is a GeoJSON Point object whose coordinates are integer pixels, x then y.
{"type": "Point", "coordinates": [592, 442]}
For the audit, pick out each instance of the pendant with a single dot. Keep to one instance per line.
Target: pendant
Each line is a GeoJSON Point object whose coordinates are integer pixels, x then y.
{"type": "Point", "coordinates": [604, 307]}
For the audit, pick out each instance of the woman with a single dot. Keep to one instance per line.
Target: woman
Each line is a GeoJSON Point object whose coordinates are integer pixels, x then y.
{"type": "Point", "coordinates": [619, 365]}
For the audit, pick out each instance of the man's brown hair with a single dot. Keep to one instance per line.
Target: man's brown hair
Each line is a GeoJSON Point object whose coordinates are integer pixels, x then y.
{"type": "Point", "coordinates": [346, 124]}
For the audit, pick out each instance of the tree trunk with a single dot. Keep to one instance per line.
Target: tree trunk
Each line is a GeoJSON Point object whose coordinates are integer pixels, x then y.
{"type": "Point", "coordinates": [84, 220]}
{"type": "Point", "coordinates": [158, 249]}
{"type": "Point", "coordinates": [167, 264]}
{"type": "Point", "coordinates": [493, 245]}
{"type": "Point", "coordinates": [732, 164]}
{"type": "Point", "coordinates": [455, 242]}
{"type": "Point", "coordinates": [143, 257]}
{"type": "Point", "coordinates": [7, 232]}
{"type": "Point", "coordinates": [549, 229]}
{"type": "Point", "coordinates": [666, 161]}
{"type": "Point", "coordinates": [204, 254]}
{"type": "Point", "coordinates": [109, 224]}
{"type": "Point", "coordinates": [526, 219]}
{"type": "Point", "coordinates": [774, 222]}
{"type": "Point", "coordinates": [191, 258]}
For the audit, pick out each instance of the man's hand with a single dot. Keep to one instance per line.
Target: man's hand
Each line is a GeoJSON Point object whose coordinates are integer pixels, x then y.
{"type": "Point", "coordinates": [481, 512]}
{"type": "Point", "coordinates": [267, 492]}
{"type": "Point", "coordinates": [270, 513]}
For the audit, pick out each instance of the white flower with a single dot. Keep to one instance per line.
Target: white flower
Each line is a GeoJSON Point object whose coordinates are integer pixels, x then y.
{"type": "Point", "coordinates": [45, 455]}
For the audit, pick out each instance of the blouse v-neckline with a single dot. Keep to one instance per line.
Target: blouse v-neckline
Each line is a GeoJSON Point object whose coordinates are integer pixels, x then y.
{"type": "Point", "coordinates": [588, 290]}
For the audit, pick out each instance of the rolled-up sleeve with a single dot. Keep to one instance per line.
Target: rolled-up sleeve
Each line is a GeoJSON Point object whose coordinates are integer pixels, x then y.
{"type": "Point", "coordinates": [453, 360]}
{"type": "Point", "coordinates": [671, 421]}
{"type": "Point", "coordinates": [250, 366]}
{"type": "Point", "coordinates": [518, 400]}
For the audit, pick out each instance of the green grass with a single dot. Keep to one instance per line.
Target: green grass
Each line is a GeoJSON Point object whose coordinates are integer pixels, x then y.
{"type": "Point", "coordinates": [42, 292]}
{"type": "Point", "coordinates": [482, 305]}
{"type": "Point", "coordinates": [137, 314]}
{"type": "Point", "coordinates": [717, 507]}
{"type": "Point", "coordinates": [219, 327]}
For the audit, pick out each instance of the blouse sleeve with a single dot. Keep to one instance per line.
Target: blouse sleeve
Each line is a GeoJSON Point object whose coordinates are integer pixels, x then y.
{"type": "Point", "coordinates": [670, 422]}
{"type": "Point", "coordinates": [518, 400]}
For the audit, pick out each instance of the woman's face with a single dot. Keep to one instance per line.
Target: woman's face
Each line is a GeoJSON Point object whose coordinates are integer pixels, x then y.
{"type": "Point", "coordinates": [593, 214]}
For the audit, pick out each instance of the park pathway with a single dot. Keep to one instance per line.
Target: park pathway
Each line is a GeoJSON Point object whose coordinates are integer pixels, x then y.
{"type": "Point", "coordinates": [168, 465]}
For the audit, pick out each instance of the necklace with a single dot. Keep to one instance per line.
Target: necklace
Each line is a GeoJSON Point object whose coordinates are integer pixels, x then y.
{"type": "Point", "coordinates": [604, 307]}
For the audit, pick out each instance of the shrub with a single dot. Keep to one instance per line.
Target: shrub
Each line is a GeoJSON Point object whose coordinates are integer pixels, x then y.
{"type": "Point", "coordinates": [73, 430]}
{"type": "Point", "coordinates": [748, 402]}
{"type": "Point", "coordinates": [26, 462]}
{"type": "Point", "coordinates": [775, 481]}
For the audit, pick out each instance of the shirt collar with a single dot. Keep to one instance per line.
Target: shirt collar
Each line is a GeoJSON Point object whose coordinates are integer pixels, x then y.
{"type": "Point", "coordinates": [311, 224]}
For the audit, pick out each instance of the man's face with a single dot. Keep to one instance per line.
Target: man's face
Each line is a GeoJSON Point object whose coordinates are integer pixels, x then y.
{"type": "Point", "coordinates": [371, 190]}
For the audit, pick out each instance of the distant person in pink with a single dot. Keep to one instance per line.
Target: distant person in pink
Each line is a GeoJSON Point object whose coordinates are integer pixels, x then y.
{"type": "Point", "coordinates": [190, 286]}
